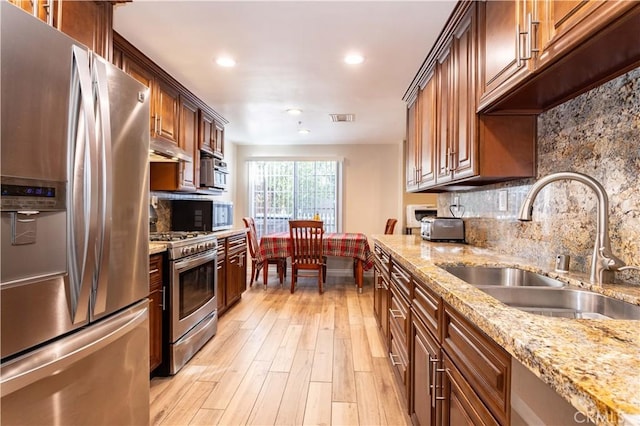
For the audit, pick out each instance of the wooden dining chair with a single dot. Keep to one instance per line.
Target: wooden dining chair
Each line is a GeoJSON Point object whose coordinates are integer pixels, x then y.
{"type": "Point", "coordinates": [254, 247]}
{"type": "Point", "coordinates": [391, 224]}
{"type": "Point", "coordinates": [388, 229]}
{"type": "Point", "coordinates": [306, 250]}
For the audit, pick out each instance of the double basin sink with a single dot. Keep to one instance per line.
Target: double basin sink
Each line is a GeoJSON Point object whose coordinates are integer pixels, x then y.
{"type": "Point", "coordinates": [542, 295]}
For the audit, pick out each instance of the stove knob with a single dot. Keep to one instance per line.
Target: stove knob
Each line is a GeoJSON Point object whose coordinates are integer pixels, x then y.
{"type": "Point", "coordinates": [209, 245]}
{"type": "Point", "coordinates": [200, 247]}
{"type": "Point", "coordinates": [185, 251]}
{"type": "Point", "coordinates": [193, 249]}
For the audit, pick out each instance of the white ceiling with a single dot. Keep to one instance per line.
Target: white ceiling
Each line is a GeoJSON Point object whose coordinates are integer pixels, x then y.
{"type": "Point", "coordinates": [290, 54]}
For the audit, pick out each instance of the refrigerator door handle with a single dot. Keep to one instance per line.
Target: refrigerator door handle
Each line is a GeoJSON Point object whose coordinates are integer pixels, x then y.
{"type": "Point", "coordinates": [58, 356]}
{"type": "Point", "coordinates": [81, 211]}
{"type": "Point", "coordinates": [105, 183]}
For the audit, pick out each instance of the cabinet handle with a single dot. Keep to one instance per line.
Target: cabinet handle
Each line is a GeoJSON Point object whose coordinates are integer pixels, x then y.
{"type": "Point", "coordinates": [35, 5]}
{"type": "Point", "coordinates": [451, 157]}
{"type": "Point", "coordinates": [432, 379]}
{"type": "Point", "coordinates": [396, 313]}
{"type": "Point", "coordinates": [155, 124]}
{"type": "Point", "coordinates": [528, 39]}
{"type": "Point", "coordinates": [160, 126]}
{"type": "Point", "coordinates": [153, 271]}
{"type": "Point", "coordinates": [393, 361]}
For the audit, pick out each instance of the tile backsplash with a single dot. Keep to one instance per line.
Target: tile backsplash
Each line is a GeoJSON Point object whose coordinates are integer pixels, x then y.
{"type": "Point", "coordinates": [598, 134]}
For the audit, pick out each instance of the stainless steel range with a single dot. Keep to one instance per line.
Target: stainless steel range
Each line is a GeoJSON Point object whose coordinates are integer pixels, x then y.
{"type": "Point", "coordinates": [192, 306]}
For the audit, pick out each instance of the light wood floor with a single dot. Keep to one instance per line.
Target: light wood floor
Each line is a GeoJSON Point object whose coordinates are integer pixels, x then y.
{"type": "Point", "coordinates": [287, 359]}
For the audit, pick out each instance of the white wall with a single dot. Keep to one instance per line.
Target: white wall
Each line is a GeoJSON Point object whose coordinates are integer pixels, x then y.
{"type": "Point", "coordinates": [372, 184]}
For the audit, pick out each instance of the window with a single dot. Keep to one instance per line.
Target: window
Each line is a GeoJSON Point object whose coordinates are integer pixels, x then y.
{"type": "Point", "coordinates": [283, 190]}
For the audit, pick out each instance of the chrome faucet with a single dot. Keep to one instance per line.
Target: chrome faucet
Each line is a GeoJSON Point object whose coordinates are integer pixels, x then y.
{"type": "Point", "coordinates": [603, 259]}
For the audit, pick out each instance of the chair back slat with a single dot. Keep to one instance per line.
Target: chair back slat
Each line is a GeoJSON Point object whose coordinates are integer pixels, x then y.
{"type": "Point", "coordinates": [306, 241]}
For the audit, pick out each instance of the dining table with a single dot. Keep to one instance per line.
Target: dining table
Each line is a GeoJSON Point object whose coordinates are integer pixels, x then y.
{"type": "Point", "coordinates": [340, 244]}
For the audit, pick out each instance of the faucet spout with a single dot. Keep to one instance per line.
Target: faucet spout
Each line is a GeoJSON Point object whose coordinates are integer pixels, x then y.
{"type": "Point", "coordinates": [603, 259]}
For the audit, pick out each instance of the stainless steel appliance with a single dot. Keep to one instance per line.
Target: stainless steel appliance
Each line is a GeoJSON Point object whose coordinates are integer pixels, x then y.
{"type": "Point", "coordinates": [220, 174]}
{"type": "Point", "coordinates": [442, 229]}
{"type": "Point", "coordinates": [206, 171]}
{"type": "Point", "coordinates": [192, 304]}
{"type": "Point", "coordinates": [222, 215]}
{"type": "Point", "coordinates": [74, 232]}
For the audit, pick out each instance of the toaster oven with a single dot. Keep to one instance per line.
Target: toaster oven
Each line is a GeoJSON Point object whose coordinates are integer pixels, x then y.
{"type": "Point", "coordinates": [442, 229]}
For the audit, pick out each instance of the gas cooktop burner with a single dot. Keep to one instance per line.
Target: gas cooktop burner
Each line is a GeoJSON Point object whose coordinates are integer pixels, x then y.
{"type": "Point", "coordinates": [176, 235]}
{"type": "Point", "coordinates": [181, 244]}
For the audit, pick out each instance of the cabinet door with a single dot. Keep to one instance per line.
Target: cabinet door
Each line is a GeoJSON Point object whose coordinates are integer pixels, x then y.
{"type": "Point", "coordinates": [189, 171]}
{"type": "Point", "coordinates": [444, 71]}
{"type": "Point", "coordinates": [411, 155]}
{"type": "Point", "coordinates": [461, 405]}
{"type": "Point", "coordinates": [501, 47]}
{"type": "Point", "coordinates": [167, 107]}
{"type": "Point", "coordinates": [425, 363]}
{"type": "Point", "coordinates": [156, 307]}
{"type": "Point", "coordinates": [218, 144]}
{"type": "Point", "coordinates": [428, 131]}
{"type": "Point", "coordinates": [42, 11]}
{"type": "Point", "coordinates": [146, 77]}
{"type": "Point", "coordinates": [464, 123]}
{"type": "Point", "coordinates": [207, 132]}
{"type": "Point", "coordinates": [155, 329]}
{"type": "Point", "coordinates": [89, 22]}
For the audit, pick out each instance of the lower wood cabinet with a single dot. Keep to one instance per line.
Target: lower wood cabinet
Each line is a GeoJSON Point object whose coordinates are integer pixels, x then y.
{"type": "Point", "coordinates": [449, 371]}
{"type": "Point", "coordinates": [426, 363]}
{"type": "Point", "coordinates": [231, 270]}
{"type": "Point", "coordinates": [461, 405]}
{"type": "Point", "coordinates": [156, 306]}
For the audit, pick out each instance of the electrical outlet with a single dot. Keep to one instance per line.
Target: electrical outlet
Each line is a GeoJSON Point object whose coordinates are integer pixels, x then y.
{"type": "Point", "coordinates": [502, 200]}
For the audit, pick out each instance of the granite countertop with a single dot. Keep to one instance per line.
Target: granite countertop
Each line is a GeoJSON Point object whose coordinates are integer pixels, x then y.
{"type": "Point", "coordinates": [593, 363]}
{"type": "Point", "coordinates": [155, 248]}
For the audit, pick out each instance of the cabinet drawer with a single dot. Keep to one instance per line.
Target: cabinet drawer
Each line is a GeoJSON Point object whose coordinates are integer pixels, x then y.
{"type": "Point", "coordinates": [426, 305]}
{"type": "Point", "coordinates": [382, 259]}
{"type": "Point", "coordinates": [155, 271]}
{"type": "Point", "coordinates": [222, 242]}
{"type": "Point", "coordinates": [402, 278]}
{"type": "Point", "coordinates": [462, 404]}
{"type": "Point", "coordinates": [399, 313]}
{"type": "Point", "coordinates": [484, 364]}
{"type": "Point", "coordinates": [237, 243]}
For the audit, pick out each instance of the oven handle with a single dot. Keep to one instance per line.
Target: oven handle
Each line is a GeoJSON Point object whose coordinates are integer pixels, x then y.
{"type": "Point", "coordinates": [195, 260]}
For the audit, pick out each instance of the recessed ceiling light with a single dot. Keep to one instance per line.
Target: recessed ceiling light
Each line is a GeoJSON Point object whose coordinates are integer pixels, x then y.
{"type": "Point", "coordinates": [294, 111]}
{"type": "Point", "coordinates": [304, 131]}
{"type": "Point", "coordinates": [354, 59]}
{"type": "Point", "coordinates": [226, 61]}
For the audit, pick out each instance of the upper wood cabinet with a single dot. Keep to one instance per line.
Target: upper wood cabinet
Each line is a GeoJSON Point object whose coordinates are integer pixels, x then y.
{"type": "Point", "coordinates": [453, 143]}
{"type": "Point", "coordinates": [537, 54]}
{"type": "Point", "coordinates": [218, 147]}
{"type": "Point", "coordinates": [411, 154]}
{"type": "Point", "coordinates": [89, 22]}
{"type": "Point", "coordinates": [206, 138]}
{"type": "Point", "coordinates": [189, 176]}
{"type": "Point", "coordinates": [165, 105]}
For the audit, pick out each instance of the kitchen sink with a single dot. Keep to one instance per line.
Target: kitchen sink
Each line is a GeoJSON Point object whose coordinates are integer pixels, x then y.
{"type": "Point", "coordinates": [504, 277]}
{"type": "Point", "coordinates": [564, 302]}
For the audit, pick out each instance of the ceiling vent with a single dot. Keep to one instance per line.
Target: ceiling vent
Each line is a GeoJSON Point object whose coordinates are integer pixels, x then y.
{"type": "Point", "coordinates": [339, 118]}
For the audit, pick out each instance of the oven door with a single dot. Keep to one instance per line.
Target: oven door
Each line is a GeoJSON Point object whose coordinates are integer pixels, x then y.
{"type": "Point", "coordinates": [193, 291]}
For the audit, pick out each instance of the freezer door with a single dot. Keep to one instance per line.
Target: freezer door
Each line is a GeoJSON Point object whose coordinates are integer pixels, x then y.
{"type": "Point", "coordinates": [122, 118]}
{"type": "Point", "coordinates": [97, 376]}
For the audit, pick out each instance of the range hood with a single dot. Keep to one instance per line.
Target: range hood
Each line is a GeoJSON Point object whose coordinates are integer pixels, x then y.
{"type": "Point", "coordinates": [163, 151]}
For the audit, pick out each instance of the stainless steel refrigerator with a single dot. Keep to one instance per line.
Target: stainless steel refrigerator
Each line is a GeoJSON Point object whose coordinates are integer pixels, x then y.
{"type": "Point", "coordinates": [74, 230]}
